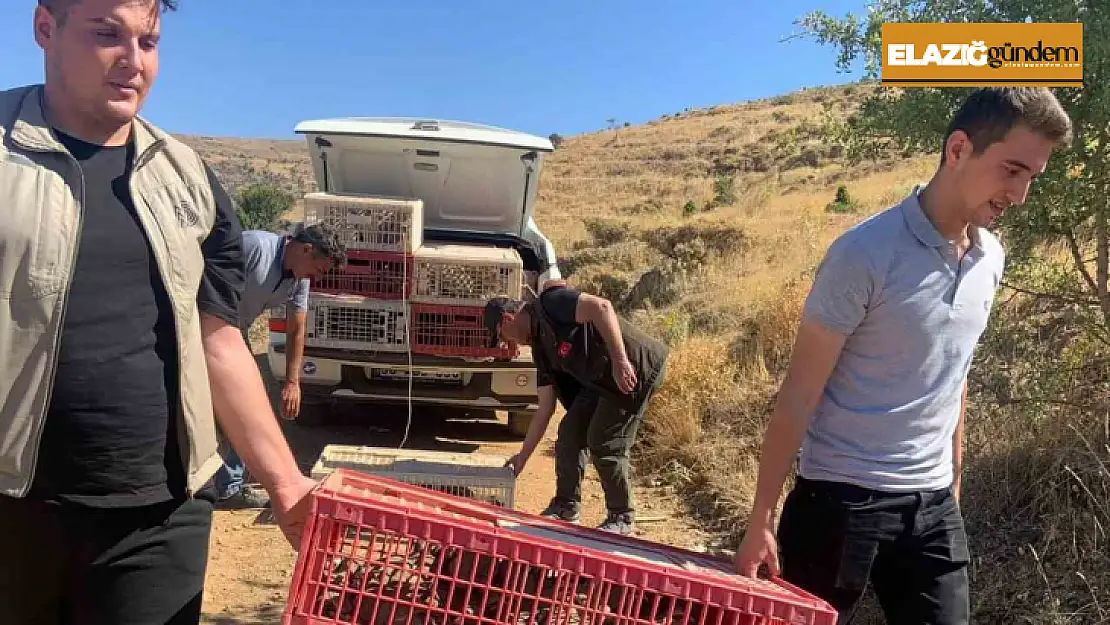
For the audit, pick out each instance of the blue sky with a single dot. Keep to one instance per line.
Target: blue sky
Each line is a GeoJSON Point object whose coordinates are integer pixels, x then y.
{"type": "Point", "coordinates": [254, 68]}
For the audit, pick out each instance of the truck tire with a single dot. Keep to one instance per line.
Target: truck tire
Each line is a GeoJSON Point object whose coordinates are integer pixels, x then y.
{"type": "Point", "coordinates": [519, 422]}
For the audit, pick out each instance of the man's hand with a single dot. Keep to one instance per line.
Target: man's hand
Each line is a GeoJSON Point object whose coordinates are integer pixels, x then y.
{"type": "Point", "coordinates": [624, 375]}
{"type": "Point", "coordinates": [291, 505]}
{"type": "Point", "coordinates": [517, 463]}
{"type": "Point", "coordinates": [758, 547]}
{"type": "Point", "coordinates": [291, 399]}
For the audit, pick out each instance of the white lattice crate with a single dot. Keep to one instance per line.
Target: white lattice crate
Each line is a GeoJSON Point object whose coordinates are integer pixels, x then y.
{"type": "Point", "coordinates": [465, 275]}
{"type": "Point", "coordinates": [369, 222]}
{"type": "Point", "coordinates": [481, 477]}
{"type": "Point", "coordinates": [356, 322]}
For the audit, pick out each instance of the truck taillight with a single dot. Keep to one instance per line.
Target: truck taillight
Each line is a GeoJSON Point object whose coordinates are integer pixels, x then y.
{"type": "Point", "coordinates": [277, 324]}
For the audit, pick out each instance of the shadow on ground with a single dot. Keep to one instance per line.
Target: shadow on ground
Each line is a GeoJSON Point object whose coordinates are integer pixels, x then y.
{"type": "Point", "coordinates": [350, 423]}
{"type": "Point", "coordinates": [265, 615]}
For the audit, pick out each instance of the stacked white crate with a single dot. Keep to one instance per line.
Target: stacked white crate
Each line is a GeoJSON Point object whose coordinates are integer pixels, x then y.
{"type": "Point", "coordinates": [450, 283]}
{"type": "Point", "coordinates": [373, 224]}
{"type": "Point", "coordinates": [465, 275]}
{"type": "Point", "coordinates": [483, 477]}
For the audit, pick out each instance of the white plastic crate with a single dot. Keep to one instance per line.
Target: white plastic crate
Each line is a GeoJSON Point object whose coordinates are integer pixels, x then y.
{"type": "Point", "coordinates": [474, 476]}
{"type": "Point", "coordinates": [366, 222]}
{"type": "Point", "coordinates": [465, 275]}
{"type": "Point", "coordinates": [355, 322]}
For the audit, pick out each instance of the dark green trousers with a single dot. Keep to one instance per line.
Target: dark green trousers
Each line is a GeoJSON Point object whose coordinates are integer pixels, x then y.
{"type": "Point", "coordinates": [594, 427]}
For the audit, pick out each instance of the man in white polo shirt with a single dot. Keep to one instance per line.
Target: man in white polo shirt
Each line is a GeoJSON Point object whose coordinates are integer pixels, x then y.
{"type": "Point", "coordinates": [876, 389]}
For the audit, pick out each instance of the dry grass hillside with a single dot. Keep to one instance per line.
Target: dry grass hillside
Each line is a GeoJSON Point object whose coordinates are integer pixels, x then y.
{"type": "Point", "coordinates": [704, 227]}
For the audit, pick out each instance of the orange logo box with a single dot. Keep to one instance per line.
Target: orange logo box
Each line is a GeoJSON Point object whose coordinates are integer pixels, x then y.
{"type": "Point", "coordinates": [973, 55]}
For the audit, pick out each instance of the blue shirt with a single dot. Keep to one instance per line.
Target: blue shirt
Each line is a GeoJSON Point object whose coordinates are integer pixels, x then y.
{"type": "Point", "coordinates": [913, 316]}
{"type": "Point", "coordinates": [268, 284]}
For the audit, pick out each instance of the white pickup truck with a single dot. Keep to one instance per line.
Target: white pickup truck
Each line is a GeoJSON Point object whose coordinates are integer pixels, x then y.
{"type": "Point", "coordinates": [478, 186]}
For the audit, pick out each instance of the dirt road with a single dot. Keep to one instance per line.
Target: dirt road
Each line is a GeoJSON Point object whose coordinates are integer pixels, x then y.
{"type": "Point", "coordinates": [250, 564]}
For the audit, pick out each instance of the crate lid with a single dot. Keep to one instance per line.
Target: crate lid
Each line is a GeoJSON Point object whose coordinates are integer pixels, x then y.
{"type": "Point", "coordinates": [361, 457]}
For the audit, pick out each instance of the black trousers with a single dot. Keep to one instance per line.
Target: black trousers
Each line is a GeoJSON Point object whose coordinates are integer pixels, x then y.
{"type": "Point", "coordinates": [63, 564]}
{"type": "Point", "coordinates": [834, 537]}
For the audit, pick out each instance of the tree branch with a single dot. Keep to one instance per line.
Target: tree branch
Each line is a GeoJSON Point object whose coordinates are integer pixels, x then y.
{"type": "Point", "coordinates": [1077, 256]}
{"type": "Point", "coordinates": [1102, 267]}
{"type": "Point", "coordinates": [1053, 296]}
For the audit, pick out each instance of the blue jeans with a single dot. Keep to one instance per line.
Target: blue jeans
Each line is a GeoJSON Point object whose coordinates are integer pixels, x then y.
{"type": "Point", "coordinates": [229, 479]}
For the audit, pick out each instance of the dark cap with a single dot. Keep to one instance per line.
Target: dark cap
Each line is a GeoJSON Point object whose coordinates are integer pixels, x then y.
{"type": "Point", "coordinates": [494, 312]}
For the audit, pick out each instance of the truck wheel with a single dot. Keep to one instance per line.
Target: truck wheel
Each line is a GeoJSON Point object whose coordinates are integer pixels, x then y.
{"type": "Point", "coordinates": [519, 422]}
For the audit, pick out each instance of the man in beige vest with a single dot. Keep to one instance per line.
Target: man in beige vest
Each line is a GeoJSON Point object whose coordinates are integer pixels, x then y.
{"type": "Point", "coordinates": [120, 275]}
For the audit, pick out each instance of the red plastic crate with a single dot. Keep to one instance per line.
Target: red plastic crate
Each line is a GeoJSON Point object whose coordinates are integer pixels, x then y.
{"type": "Point", "coordinates": [441, 330]}
{"type": "Point", "coordinates": [379, 275]}
{"type": "Point", "coordinates": [378, 551]}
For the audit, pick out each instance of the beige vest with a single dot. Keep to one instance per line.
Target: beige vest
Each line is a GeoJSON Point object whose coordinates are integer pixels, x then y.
{"type": "Point", "coordinates": [40, 225]}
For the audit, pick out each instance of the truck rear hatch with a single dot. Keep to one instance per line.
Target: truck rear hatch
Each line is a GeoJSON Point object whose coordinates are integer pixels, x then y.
{"type": "Point", "coordinates": [474, 179]}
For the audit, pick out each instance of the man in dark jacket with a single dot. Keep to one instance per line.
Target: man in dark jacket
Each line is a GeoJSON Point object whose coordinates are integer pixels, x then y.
{"type": "Point", "coordinates": [603, 370]}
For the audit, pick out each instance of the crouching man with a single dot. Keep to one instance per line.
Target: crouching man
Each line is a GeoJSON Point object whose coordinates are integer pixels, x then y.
{"type": "Point", "coordinates": [603, 370]}
{"type": "Point", "coordinates": [278, 270]}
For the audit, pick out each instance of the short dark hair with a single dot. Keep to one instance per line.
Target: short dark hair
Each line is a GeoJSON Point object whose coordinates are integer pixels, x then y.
{"type": "Point", "coordinates": [325, 240]}
{"type": "Point", "coordinates": [990, 113]}
{"type": "Point", "coordinates": [494, 310]}
{"type": "Point", "coordinates": [60, 8]}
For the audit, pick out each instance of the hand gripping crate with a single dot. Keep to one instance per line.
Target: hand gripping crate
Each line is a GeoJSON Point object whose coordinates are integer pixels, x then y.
{"type": "Point", "coordinates": [439, 330]}
{"type": "Point", "coordinates": [379, 551]}
{"type": "Point", "coordinates": [356, 322]}
{"type": "Point", "coordinates": [475, 476]}
{"type": "Point", "coordinates": [465, 275]}
{"type": "Point", "coordinates": [378, 275]}
{"type": "Point", "coordinates": [369, 222]}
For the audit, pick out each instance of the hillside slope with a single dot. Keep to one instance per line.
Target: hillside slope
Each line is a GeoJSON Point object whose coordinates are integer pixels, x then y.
{"type": "Point", "coordinates": [704, 227]}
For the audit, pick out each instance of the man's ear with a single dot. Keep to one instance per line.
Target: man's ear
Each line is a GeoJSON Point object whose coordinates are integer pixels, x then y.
{"type": "Point", "coordinates": [958, 148]}
{"type": "Point", "coordinates": [44, 26]}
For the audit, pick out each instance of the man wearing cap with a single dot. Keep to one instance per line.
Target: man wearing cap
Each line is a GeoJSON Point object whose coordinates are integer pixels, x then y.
{"type": "Point", "coordinates": [278, 269]}
{"type": "Point", "coordinates": [603, 370]}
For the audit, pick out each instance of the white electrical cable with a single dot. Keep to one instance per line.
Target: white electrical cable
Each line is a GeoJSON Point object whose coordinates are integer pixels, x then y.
{"type": "Point", "coordinates": [408, 335]}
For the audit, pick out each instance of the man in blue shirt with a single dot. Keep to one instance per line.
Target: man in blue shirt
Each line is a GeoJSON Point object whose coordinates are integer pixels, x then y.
{"type": "Point", "coordinates": [878, 381]}
{"type": "Point", "coordinates": [277, 270]}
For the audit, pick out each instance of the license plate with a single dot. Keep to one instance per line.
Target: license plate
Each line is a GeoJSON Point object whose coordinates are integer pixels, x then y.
{"type": "Point", "coordinates": [427, 377]}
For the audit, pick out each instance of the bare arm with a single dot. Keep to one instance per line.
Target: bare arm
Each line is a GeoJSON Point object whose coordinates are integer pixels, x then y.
{"type": "Point", "coordinates": [536, 428]}
{"type": "Point", "coordinates": [243, 410]}
{"type": "Point", "coordinates": [294, 344]}
{"type": "Point", "coordinates": [816, 351]}
{"type": "Point", "coordinates": [599, 311]}
{"type": "Point", "coordinates": [958, 446]}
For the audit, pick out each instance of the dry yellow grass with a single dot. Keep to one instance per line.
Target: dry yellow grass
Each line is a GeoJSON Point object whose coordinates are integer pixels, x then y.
{"type": "Point", "coordinates": [1035, 497]}
{"type": "Point", "coordinates": [735, 272]}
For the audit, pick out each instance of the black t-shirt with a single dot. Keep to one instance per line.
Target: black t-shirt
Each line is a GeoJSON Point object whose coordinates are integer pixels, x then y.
{"type": "Point", "coordinates": [561, 305]}
{"type": "Point", "coordinates": [111, 437]}
{"type": "Point", "coordinates": [560, 351]}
